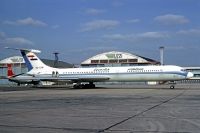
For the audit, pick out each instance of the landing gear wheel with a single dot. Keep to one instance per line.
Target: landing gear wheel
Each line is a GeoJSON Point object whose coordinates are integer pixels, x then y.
{"type": "Point", "coordinates": [172, 87]}
{"type": "Point", "coordinates": [78, 86]}
{"type": "Point", "coordinates": [91, 85]}
{"type": "Point", "coordinates": [86, 86]}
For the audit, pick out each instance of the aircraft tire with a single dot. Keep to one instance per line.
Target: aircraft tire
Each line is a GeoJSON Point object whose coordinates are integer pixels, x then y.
{"type": "Point", "coordinates": [172, 87]}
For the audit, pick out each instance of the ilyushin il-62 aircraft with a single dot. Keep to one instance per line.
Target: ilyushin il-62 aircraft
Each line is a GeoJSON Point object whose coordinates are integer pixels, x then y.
{"type": "Point", "coordinates": [38, 71]}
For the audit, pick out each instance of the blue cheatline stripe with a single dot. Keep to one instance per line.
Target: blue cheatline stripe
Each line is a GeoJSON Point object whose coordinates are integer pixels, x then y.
{"type": "Point", "coordinates": [129, 73]}
{"type": "Point", "coordinates": [28, 64]}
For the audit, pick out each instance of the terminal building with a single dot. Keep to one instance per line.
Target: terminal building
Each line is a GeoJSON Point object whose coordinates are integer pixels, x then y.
{"type": "Point", "coordinates": [116, 58]}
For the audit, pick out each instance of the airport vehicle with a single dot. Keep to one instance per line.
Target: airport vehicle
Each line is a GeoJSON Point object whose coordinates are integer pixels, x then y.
{"type": "Point", "coordinates": [38, 71]}
{"type": "Point", "coordinates": [21, 78]}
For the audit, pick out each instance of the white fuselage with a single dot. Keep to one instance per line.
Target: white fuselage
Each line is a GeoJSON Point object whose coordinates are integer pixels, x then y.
{"type": "Point", "coordinates": [131, 73]}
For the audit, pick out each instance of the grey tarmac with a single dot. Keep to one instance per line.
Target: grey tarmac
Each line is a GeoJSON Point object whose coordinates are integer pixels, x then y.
{"type": "Point", "coordinates": [107, 109]}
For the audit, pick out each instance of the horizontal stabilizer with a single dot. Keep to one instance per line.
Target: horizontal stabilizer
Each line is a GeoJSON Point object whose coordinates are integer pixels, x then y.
{"type": "Point", "coordinates": [30, 58]}
{"type": "Point", "coordinates": [28, 50]}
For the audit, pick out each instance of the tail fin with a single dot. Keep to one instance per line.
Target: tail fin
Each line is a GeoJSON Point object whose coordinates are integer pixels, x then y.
{"type": "Point", "coordinates": [10, 72]}
{"type": "Point", "coordinates": [31, 59]}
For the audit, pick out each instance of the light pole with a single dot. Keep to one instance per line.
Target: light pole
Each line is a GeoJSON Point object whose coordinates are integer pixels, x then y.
{"type": "Point", "coordinates": [162, 55]}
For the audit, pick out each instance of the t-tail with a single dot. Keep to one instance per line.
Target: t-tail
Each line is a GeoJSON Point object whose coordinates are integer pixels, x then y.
{"type": "Point", "coordinates": [10, 72]}
{"type": "Point", "coordinates": [31, 59]}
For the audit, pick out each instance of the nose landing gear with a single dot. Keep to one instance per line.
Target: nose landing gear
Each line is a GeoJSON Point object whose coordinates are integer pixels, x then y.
{"type": "Point", "coordinates": [172, 86]}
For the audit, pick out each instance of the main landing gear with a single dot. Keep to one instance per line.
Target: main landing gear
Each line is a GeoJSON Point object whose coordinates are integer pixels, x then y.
{"type": "Point", "coordinates": [84, 86]}
{"type": "Point", "coordinates": [172, 84]}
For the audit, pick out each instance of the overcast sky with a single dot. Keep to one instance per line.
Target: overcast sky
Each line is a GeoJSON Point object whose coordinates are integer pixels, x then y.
{"type": "Point", "coordinates": [79, 29]}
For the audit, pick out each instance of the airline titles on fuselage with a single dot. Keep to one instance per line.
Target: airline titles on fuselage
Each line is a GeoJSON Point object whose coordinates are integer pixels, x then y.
{"type": "Point", "coordinates": [101, 70]}
{"type": "Point", "coordinates": [107, 70]}
{"type": "Point", "coordinates": [131, 70]}
{"type": "Point", "coordinates": [96, 70]}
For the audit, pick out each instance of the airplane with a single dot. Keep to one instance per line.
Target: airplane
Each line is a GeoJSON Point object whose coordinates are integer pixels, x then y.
{"type": "Point", "coordinates": [21, 78]}
{"type": "Point", "coordinates": [38, 71]}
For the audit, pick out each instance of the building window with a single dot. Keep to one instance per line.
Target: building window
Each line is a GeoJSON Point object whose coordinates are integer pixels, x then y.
{"type": "Point", "coordinates": [132, 60]}
{"type": "Point", "coordinates": [94, 61]}
{"type": "Point", "coordinates": [113, 61]}
{"type": "Point", "coordinates": [103, 61]}
{"type": "Point", "coordinates": [123, 61]}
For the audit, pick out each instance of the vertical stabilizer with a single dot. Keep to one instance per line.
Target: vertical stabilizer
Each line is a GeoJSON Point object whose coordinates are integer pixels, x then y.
{"type": "Point", "coordinates": [31, 60]}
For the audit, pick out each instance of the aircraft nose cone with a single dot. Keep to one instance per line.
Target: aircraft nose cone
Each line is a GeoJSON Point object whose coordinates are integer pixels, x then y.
{"type": "Point", "coordinates": [190, 75]}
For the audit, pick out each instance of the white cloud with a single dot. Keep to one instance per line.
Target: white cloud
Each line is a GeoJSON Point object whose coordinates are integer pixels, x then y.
{"type": "Point", "coordinates": [189, 32]}
{"type": "Point", "coordinates": [93, 11]}
{"type": "Point", "coordinates": [100, 24]}
{"type": "Point", "coordinates": [26, 21]}
{"type": "Point", "coordinates": [152, 35]}
{"type": "Point", "coordinates": [18, 40]}
{"type": "Point", "coordinates": [133, 21]}
{"type": "Point", "coordinates": [117, 37]}
{"type": "Point", "coordinates": [9, 22]}
{"type": "Point", "coordinates": [30, 21]}
{"type": "Point", "coordinates": [4, 40]}
{"type": "Point", "coordinates": [139, 36]}
{"type": "Point", "coordinates": [171, 19]}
